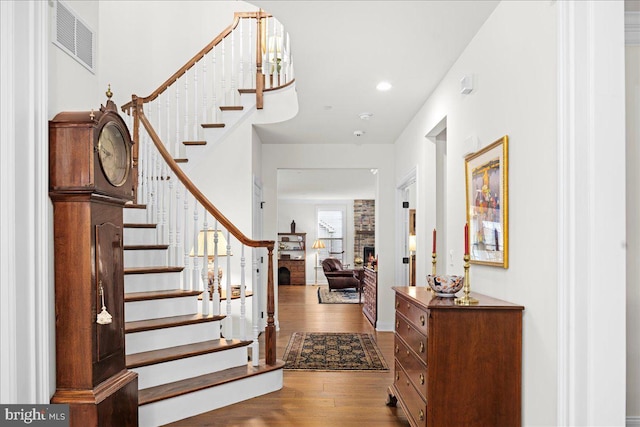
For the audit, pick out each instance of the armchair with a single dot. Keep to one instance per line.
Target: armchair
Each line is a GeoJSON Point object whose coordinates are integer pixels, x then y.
{"type": "Point", "coordinates": [339, 278]}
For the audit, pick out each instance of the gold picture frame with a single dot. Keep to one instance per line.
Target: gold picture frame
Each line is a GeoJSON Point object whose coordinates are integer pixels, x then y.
{"type": "Point", "coordinates": [487, 191]}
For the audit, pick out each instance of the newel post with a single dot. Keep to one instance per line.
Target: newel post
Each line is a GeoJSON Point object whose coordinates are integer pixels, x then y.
{"type": "Point", "coordinates": [259, 76]}
{"type": "Point", "coordinates": [270, 329]}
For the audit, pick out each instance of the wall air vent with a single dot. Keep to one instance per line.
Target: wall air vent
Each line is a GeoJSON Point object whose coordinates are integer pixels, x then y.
{"type": "Point", "coordinates": [74, 36]}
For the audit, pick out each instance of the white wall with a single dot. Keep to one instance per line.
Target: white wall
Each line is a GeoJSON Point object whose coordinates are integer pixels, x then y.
{"type": "Point", "coordinates": [142, 43]}
{"type": "Point", "coordinates": [633, 231]}
{"type": "Point", "coordinates": [513, 63]}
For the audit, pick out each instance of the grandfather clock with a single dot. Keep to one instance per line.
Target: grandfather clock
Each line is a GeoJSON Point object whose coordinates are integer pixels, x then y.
{"type": "Point", "coordinates": [90, 180]}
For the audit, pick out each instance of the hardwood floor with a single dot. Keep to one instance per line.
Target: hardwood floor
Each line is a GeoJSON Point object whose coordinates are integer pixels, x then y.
{"type": "Point", "coordinates": [316, 399]}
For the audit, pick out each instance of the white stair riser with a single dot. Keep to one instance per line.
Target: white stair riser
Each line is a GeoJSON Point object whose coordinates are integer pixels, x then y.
{"type": "Point", "coordinates": [154, 309]}
{"type": "Point", "coordinates": [140, 236]}
{"type": "Point", "coordinates": [170, 337]}
{"type": "Point", "coordinates": [134, 216]}
{"type": "Point", "coordinates": [170, 410]}
{"type": "Point", "coordinates": [145, 258]}
{"type": "Point", "coordinates": [151, 282]}
{"type": "Point", "coordinates": [176, 370]}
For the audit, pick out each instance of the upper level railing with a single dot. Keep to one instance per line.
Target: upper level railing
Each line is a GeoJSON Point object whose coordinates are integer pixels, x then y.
{"type": "Point", "coordinates": [244, 58]}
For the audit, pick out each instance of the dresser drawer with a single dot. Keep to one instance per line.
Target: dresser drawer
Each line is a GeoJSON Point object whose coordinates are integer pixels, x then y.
{"type": "Point", "coordinates": [417, 315]}
{"type": "Point", "coordinates": [416, 340]}
{"type": "Point", "coordinates": [414, 405]}
{"type": "Point", "coordinates": [414, 368]}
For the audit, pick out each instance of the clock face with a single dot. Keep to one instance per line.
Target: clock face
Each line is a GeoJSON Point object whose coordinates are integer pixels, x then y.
{"type": "Point", "coordinates": [114, 154]}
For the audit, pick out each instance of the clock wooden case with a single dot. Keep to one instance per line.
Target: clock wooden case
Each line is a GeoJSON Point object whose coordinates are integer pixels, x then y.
{"type": "Point", "coordinates": [90, 180]}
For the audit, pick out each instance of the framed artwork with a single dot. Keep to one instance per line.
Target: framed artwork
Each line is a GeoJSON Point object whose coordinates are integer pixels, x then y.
{"type": "Point", "coordinates": [486, 174]}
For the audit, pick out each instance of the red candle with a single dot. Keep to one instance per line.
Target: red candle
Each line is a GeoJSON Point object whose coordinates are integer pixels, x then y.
{"type": "Point", "coordinates": [466, 238]}
{"type": "Point", "coordinates": [434, 241]}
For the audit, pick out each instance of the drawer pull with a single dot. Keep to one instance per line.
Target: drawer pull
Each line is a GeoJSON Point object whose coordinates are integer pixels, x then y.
{"type": "Point", "coordinates": [397, 376]}
{"type": "Point", "coordinates": [421, 347]}
{"type": "Point", "coordinates": [408, 306]}
{"type": "Point", "coordinates": [407, 383]}
{"type": "Point", "coordinates": [397, 324]}
{"type": "Point", "coordinates": [397, 348]}
{"type": "Point", "coordinates": [397, 304]}
{"type": "Point", "coordinates": [422, 319]}
{"type": "Point", "coordinates": [408, 353]}
{"type": "Point", "coordinates": [421, 379]}
{"type": "Point", "coordinates": [421, 415]}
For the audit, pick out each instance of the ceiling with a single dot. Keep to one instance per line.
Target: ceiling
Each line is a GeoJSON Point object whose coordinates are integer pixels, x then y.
{"type": "Point", "coordinates": [343, 49]}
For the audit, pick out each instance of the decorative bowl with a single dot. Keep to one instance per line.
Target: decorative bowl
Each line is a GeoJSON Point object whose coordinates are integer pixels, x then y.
{"type": "Point", "coordinates": [445, 286]}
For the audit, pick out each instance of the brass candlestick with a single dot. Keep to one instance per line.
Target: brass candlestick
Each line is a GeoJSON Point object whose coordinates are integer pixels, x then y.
{"type": "Point", "coordinates": [466, 299]}
{"type": "Point", "coordinates": [433, 269]}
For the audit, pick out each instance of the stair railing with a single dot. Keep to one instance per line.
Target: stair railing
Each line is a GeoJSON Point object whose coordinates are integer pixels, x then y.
{"type": "Point", "coordinates": [242, 59]}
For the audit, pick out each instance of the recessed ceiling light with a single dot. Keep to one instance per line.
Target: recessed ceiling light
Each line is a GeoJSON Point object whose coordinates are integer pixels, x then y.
{"type": "Point", "coordinates": [366, 116]}
{"type": "Point", "coordinates": [358, 132]}
{"type": "Point", "coordinates": [383, 86]}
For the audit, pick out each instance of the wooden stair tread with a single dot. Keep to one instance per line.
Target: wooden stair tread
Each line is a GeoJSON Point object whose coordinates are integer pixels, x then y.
{"type": "Point", "coordinates": [181, 160]}
{"type": "Point", "coordinates": [135, 206]}
{"type": "Point", "coordinates": [143, 247]}
{"type": "Point", "coordinates": [191, 143]}
{"type": "Point", "coordinates": [179, 388]}
{"type": "Point", "coordinates": [154, 295]}
{"type": "Point", "coordinates": [139, 225]}
{"type": "Point", "coordinates": [247, 90]}
{"type": "Point", "coordinates": [147, 270]}
{"type": "Point", "coordinates": [181, 352]}
{"type": "Point", "coordinates": [170, 322]}
{"type": "Point", "coordinates": [232, 108]}
{"type": "Point", "coordinates": [212, 125]}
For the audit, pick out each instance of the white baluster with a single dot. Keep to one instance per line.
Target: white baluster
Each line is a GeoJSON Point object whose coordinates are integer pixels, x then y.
{"type": "Point", "coordinates": [204, 91]}
{"type": "Point", "coordinates": [214, 89]}
{"type": "Point", "coordinates": [185, 135]}
{"type": "Point", "coordinates": [178, 227]}
{"type": "Point", "coordinates": [168, 121]}
{"type": "Point", "coordinates": [229, 323]}
{"type": "Point", "coordinates": [241, 72]}
{"type": "Point", "coordinates": [234, 89]}
{"type": "Point", "coordinates": [223, 95]}
{"type": "Point", "coordinates": [205, 265]}
{"type": "Point", "coordinates": [243, 306]}
{"type": "Point", "coordinates": [195, 278]}
{"type": "Point", "coordinates": [158, 123]}
{"type": "Point", "coordinates": [176, 150]}
{"type": "Point", "coordinates": [195, 101]}
{"type": "Point", "coordinates": [142, 174]}
{"type": "Point", "coordinates": [216, 279]}
{"type": "Point", "coordinates": [152, 185]}
{"type": "Point", "coordinates": [187, 283]}
{"type": "Point", "coordinates": [281, 78]}
{"type": "Point", "coordinates": [252, 56]}
{"type": "Point", "coordinates": [162, 202]}
{"type": "Point", "coordinates": [255, 309]}
{"type": "Point", "coordinates": [170, 219]}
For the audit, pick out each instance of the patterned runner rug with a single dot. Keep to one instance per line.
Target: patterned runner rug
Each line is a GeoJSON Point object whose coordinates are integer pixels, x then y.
{"type": "Point", "coordinates": [339, 296]}
{"type": "Point", "coordinates": [333, 351]}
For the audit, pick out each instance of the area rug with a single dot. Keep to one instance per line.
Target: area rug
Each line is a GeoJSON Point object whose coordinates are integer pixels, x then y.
{"type": "Point", "coordinates": [339, 296]}
{"type": "Point", "coordinates": [333, 351]}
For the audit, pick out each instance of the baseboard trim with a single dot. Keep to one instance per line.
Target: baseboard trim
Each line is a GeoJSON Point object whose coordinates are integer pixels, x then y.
{"type": "Point", "coordinates": [633, 421]}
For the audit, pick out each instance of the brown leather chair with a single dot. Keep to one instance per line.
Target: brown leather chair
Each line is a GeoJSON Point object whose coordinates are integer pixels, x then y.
{"type": "Point", "coordinates": [339, 278]}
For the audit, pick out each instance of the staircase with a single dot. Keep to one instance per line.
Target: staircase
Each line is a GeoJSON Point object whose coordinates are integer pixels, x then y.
{"type": "Point", "coordinates": [185, 329]}
{"type": "Point", "coordinates": [184, 365]}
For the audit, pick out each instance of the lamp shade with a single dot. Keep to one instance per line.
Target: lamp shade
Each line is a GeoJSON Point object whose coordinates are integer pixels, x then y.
{"type": "Point", "coordinates": [412, 242]}
{"type": "Point", "coordinates": [210, 234]}
{"type": "Point", "coordinates": [318, 244]}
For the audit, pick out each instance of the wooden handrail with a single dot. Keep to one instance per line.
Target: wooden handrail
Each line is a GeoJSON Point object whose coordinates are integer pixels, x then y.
{"type": "Point", "coordinates": [270, 328]}
{"type": "Point", "coordinates": [224, 221]}
{"type": "Point", "coordinates": [186, 67]}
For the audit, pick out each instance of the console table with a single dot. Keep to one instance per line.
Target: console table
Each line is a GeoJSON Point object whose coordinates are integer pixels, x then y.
{"type": "Point", "coordinates": [457, 365]}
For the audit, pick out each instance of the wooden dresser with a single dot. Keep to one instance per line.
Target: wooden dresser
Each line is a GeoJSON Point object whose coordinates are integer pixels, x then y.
{"type": "Point", "coordinates": [370, 305]}
{"type": "Point", "coordinates": [457, 365]}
